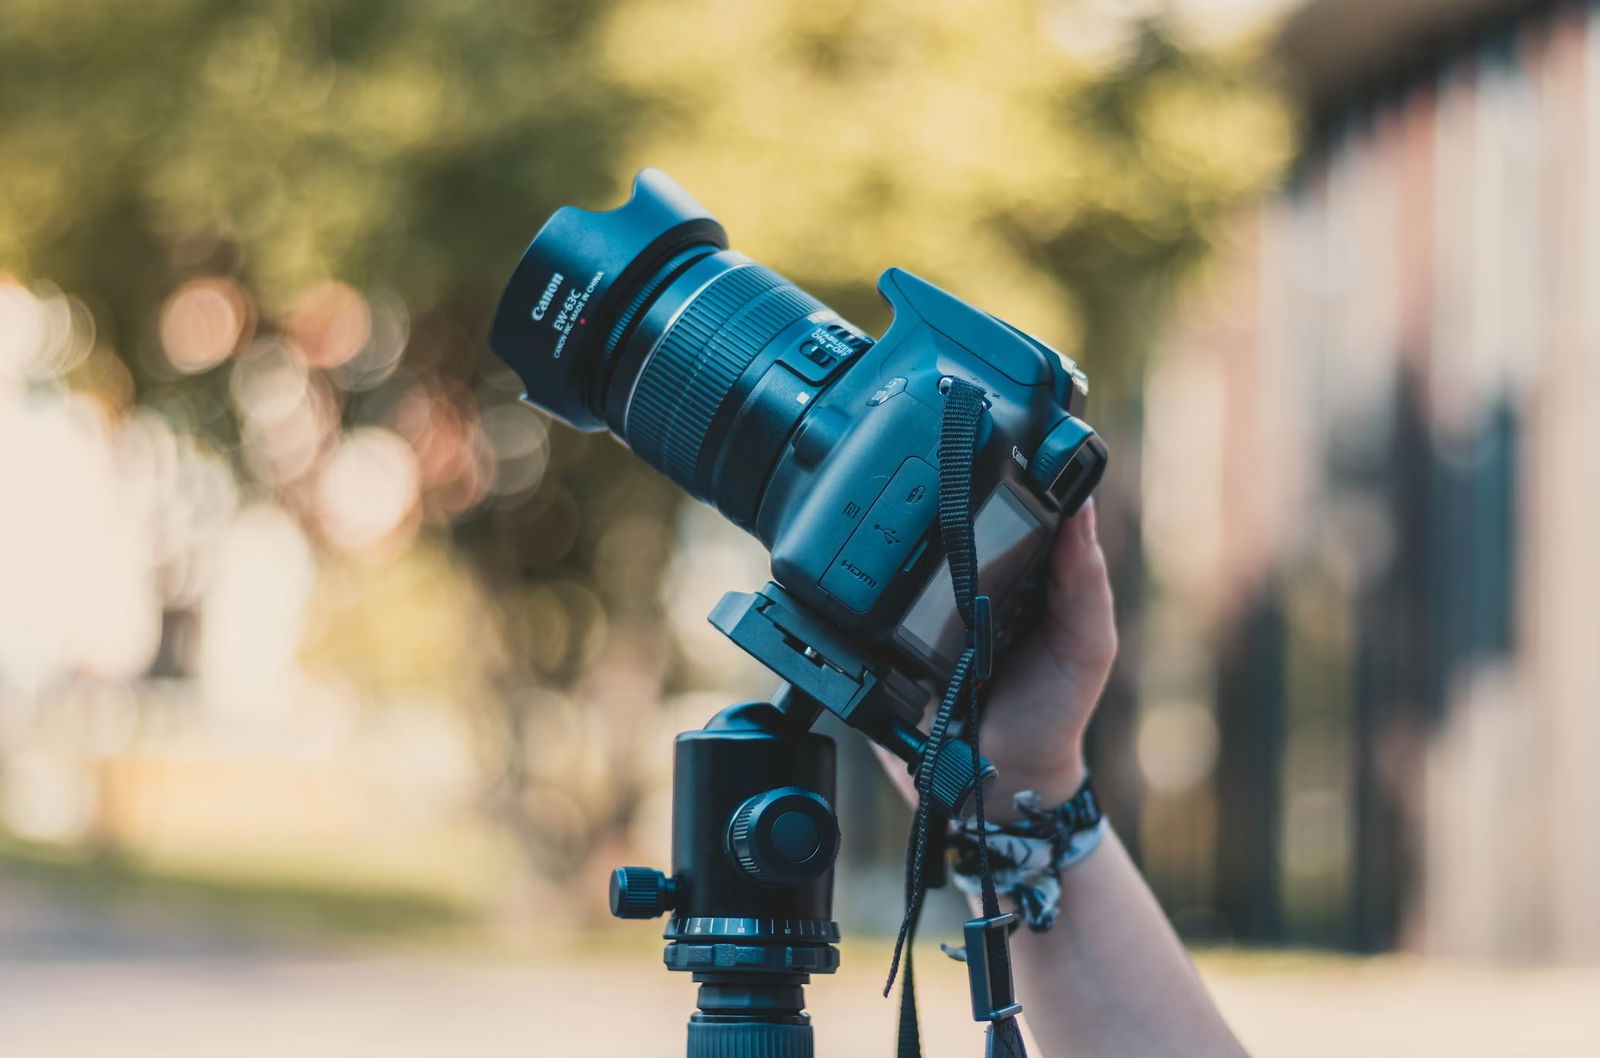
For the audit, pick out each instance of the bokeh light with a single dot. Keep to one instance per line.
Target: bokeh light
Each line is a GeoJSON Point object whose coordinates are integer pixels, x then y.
{"type": "Point", "coordinates": [252, 618]}
{"type": "Point", "coordinates": [389, 326]}
{"type": "Point", "coordinates": [1177, 745]}
{"type": "Point", "coordinates": [368, 489]}
{"type": "Point", "coordinates": [520, 443]}
{"type": "Point", "coordinates": [43, 333]}
{"type": "Point", "coordinates": [453, 455]}
{"type": "Point", "coordinates": [331, 323]}
{"type": "Point", "coordinates": [288, 414]}
{"type": "Point", "coordinates": [203, 322]}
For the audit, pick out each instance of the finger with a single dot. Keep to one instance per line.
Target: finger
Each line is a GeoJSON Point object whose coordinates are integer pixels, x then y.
{"type": "Point", "coordinates": [1076, 547]}
{"type": "Point", "coordinates": [1080, 607]}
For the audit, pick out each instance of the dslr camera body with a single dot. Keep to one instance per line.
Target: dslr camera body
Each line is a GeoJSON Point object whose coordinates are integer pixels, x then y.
{"type": "Point", "coordinates": [757, 398]}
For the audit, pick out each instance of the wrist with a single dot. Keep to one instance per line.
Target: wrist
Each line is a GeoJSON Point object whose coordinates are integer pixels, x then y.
{"type": "Point", "coordinates": [1024, 860]}
{"type": "Point", "coordinates": [1054, 783]}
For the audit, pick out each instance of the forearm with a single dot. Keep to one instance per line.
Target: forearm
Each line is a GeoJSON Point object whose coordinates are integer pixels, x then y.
{"type": "Point", "coordinates": [1111, 977]}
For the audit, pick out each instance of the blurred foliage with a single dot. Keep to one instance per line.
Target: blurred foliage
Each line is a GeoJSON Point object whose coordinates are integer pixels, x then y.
{"type": "Point", "coordinates": [391, 144]}
{"type": "Point", "coordinates": [410, 148]}
{"type": "Point", "coordinates": [966, 142]}
{"type": "Point", "coordinates": [366, 624]}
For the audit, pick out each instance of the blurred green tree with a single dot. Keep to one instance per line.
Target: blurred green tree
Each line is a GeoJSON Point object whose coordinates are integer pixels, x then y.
{"type": "Point", "coordinates": [410, 148]}
{"type": "Point", "coordinates": [967, 142]}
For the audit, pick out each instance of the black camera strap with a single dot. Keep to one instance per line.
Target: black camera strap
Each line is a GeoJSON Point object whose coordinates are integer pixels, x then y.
{"type": "Point", "coordinates": [987, 938]}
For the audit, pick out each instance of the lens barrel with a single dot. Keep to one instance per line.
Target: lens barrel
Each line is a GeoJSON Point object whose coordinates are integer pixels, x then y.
{"type": "Point", "coordinates": [640, 320]}
{"type": "Point", "coordinates": [697, 363]}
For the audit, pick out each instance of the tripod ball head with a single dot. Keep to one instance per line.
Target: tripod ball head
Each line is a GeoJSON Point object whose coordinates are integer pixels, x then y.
{"type": "Point", "coordinates": [754, 838]}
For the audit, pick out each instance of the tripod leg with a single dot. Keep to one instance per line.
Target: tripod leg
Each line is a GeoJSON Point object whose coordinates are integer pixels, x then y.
{"type": "Point", "coordinates": [750, 1017]}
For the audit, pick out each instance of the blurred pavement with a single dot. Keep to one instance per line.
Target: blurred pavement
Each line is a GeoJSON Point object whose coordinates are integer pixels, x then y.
{"type": "Point", "coordinates": [621, 1003]}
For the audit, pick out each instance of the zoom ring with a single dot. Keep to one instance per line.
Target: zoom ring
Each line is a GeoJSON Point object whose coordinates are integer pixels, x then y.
{"type": "Point", "coordinates": [699, 361]}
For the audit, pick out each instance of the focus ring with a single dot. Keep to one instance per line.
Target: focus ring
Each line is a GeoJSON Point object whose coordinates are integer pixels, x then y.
{"type": "Point", "coordinates": [649, 289]}
{"type": "Point", "coordinates": [699, 361]}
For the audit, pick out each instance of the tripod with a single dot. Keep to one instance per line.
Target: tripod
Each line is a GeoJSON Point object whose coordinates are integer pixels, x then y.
{"type": "Point", "coordinates": [754, 837]}
{"type": "Point", "coordinates": [754, 834]}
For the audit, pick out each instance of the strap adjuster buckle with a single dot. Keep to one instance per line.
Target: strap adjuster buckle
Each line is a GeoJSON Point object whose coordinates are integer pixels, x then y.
{"type": "Point", "coordinates": [982, 638]}
{"type": "Point", "coordinates": [988, 959]}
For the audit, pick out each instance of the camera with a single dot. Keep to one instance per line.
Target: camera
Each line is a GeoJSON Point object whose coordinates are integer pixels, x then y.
{"type": "Point", "coordinates": [849, 459]}
{"type": "Point", "coordinates": [822, 442]}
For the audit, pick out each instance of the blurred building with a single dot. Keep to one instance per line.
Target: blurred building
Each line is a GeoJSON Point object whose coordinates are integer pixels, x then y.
{"type": "Point", "coordinates": [1371, 470]}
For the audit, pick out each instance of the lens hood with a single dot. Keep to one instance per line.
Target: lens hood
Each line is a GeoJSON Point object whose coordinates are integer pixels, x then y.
{"type": "Point", "coordinates": [572, 296]}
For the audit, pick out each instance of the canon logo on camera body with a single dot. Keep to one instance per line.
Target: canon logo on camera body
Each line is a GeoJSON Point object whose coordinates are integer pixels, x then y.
{"type": "Point", "coordinates": [548, 295]}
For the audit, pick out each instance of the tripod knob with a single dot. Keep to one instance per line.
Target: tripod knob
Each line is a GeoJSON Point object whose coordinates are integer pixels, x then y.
{"type": "Point", "coordinates": [786, 836]}
{"type": "Point", "coordinates": [641, 892]}
{"type": "Point", "coordinates": [954, 781]}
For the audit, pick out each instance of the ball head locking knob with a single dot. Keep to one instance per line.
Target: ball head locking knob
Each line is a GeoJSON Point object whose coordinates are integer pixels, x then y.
{"type": "Point", "coordinates": [641, 892]}
{"type": "Point", "coordinates": [786, 836]}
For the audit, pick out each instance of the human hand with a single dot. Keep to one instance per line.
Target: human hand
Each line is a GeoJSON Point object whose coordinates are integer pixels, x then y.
{"type": "Point", "coordinates": [1046, 687]}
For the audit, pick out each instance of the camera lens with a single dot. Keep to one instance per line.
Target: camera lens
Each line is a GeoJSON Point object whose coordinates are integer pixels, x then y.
{"type": "Point", "coordinates": [684, 399]}
{"type": "Point", "coordinates": [640, 320]}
